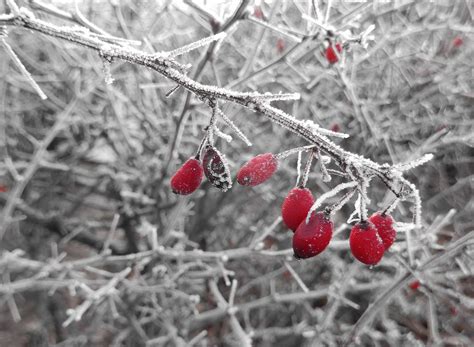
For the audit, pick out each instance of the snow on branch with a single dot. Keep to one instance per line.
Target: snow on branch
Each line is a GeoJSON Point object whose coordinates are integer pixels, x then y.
{"type": "Point", "coordinates": [197, 44]}
{"type": "Point", "coordinates": [354, 166]}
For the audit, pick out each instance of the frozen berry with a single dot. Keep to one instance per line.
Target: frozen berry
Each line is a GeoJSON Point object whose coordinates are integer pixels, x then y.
{"type": "Point", "coordinates": [331, 55]}
{"type": "Point", "coordinates": [313, 237]}
{"type": "Point", "coordinates": [414, 285]}
{"type": "Point", "coordinates": [296, 206]}
{"type": "Point", "coordinates": [384, 225]}
{"type": "Point", "coordinates": [216, 169]}
{"type": "Point", "coordinates": [188, 177]}
{"type": "Point", "coordinates": [257, 170]}
{"type": "Point", "coordinates": [366, 245]}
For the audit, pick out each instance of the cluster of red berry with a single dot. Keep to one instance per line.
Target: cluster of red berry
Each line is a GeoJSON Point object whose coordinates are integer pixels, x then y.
{"type": "Point", "coordinates": [214, 166]}
{"type": "Point", "coordinates": [368, 240]}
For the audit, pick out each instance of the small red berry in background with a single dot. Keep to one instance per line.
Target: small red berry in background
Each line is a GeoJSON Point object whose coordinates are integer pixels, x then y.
{"type": "Point", "coordinates": [257, 170]}
{"type": "Point", "coordinates": [257, 12]}
{"type": "Point", "coordinates": [414, 285]}
{"type": "Point", "coordinates": [3, 189]}
{"type": "Point", "coordinates": [313, 237]}
{"type": "Point", "coordinates": [296, 206]}
{"type": "Point", "coordinates": [336, 128]}
{"type": "Point", "coordinates": [280, 45]}
{"type": "Point", "coordinates": [287, 275]}
{"type": "Point", "coordinates": [365, 243]}
{"type": "Point", "coordinates": [384, 225]}
{"type": "Point", "coordinates": [188, 177]}
{"type": "Point", "coordinates": [458, 41]}
{"type": "Point", "coordinates": [331, 55]}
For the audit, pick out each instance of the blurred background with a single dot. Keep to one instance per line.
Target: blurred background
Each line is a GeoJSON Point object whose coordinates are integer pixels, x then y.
{"type": "Point", "coordinates": [88, 170]}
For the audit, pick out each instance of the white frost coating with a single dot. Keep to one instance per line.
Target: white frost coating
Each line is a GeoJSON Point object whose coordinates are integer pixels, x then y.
{"type": "Point", "coordinates": [195, 45]}
{"type": "Point", "coordinates": [298, 167]}
{"type": "Point", "coordinates": [283, 155]}
{"type": "Point", "coordinates": [414, 163]}
{"type": "Point", "coordinates": [223, 136]}
{"type": "Point", "coordinates": [281, 97]}
{"type": "Point", "coordinates": [316, 129]}
{"type": "Point", "coordinates": [234, 127]}
{"type": "Point", "coordinates": [328, 195]}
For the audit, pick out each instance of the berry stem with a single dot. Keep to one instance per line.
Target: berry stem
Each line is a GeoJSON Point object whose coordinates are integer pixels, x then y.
{"type": "Point", "coordinates": [338, 205]}
{"type": "Point", "coordinates": [391, 206]}
{"type": "Point", "coordinates": [362, 188]}
{"type": "Point", "coordinates": [307, 167]}
{"type": "Point", "coordinates": [212, 122]}
{"type": "Point", "coordinates": [201, 145]}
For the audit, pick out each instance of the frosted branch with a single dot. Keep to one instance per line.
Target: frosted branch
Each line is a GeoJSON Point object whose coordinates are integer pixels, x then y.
{"type": "Point", "coordinates": [329, 194]}
{"type": "Point", "coordinates": [23, 69]}
{"type": "Point", "coordinates": [197, 44]}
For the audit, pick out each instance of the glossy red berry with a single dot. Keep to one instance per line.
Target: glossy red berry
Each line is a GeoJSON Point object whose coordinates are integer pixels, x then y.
{"type": "Point", "coordinates": [257, 170]}
{"type": "Point", "coordinates": [188, 177]}
{"type": "Point", "coordinates": [365, 243]}
{"type": "Point", "coordinates": [331, 55]}
{"type": "Point", "coordinates": [313, 237]}
{"type": "Point", "coordinates": [384, 225]}
{"type": "Point", "coordinates": [296, 206]}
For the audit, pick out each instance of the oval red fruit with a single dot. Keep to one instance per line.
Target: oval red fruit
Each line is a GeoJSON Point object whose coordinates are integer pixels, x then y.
{"type": "Point", "coordinates": [313, 237]}
{"type": "Point", "coordinates": [366, 244]}
{"type": "Point", "coordinates": [331, 55]}
{"type": "Point", "coordinates": [384, 225]}
{"type": "Point", "coordinates": [458, 41]}
{"type": "Point", "coordinates": [188, 177]}
{"type": "Point", "coordinates": [296, 206]}
{"type": "Point", "coordinates": [257, 170]}
{"type": "Point", "coordinates": [414, 285]}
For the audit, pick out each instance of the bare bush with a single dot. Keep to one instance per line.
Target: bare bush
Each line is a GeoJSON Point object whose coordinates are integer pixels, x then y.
{"type": "Point", "coordinates": [369, 105]}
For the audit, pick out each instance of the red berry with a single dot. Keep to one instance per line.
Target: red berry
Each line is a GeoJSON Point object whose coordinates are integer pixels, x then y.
{"type": "Point", "coordinates": [414, 285]}
{"type": "Point", "coordinates": [257, 12]}
{"type": "Point", "coordinates": [280, 45]}
{"type": "Point", "coordinates": [384, 225]}
{"type": "Point", "coordinates": [296, 206]}
{"type": "Point", "coordinates": [3, 189]}
{"type": "Point", "coordinates": [313, 237]}
{"type": "Point", "coordinates": [336, 128]}
{"type": "Point", "coordinates": [331, 55]}
{"type": "Point", "coordinates": [366, 245]}
{"type": "Point", "coordinates": [458, 41]}
{"type": "Point", "coordinates": [257, 170]}
{"type": "Point", "coordinates": [188, 177]}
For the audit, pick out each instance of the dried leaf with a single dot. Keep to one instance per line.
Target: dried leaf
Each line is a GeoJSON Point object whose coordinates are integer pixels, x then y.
{"type": "Point", "coordinates": [216, 168]}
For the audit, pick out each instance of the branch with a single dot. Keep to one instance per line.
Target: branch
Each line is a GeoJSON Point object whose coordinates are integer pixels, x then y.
{"type": "Point", "coordinates": [353, 165]}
